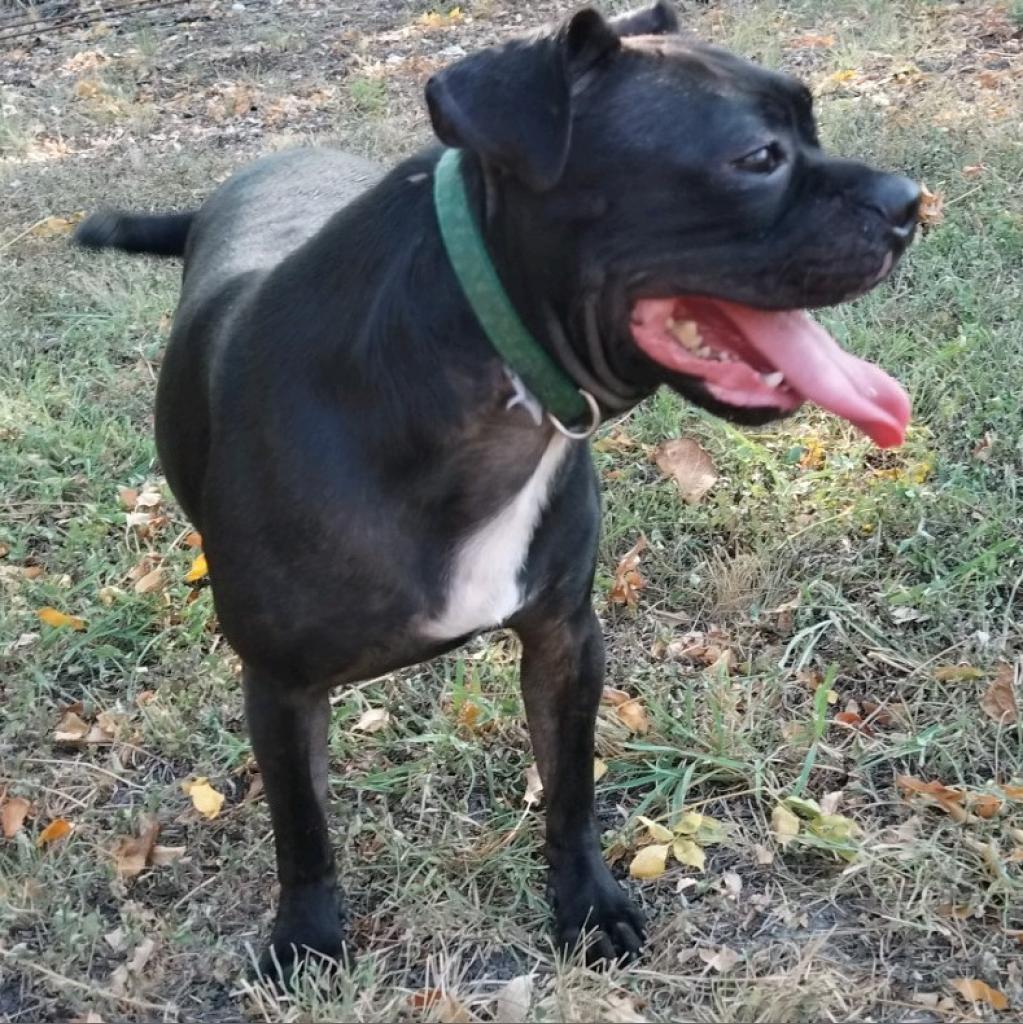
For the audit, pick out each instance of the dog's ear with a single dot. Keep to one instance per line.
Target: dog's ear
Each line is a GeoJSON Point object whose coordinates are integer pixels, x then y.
{"type": "Point", "coordinates": [659, 20]}
{"type": "Point", "coordinates": [512, 104]}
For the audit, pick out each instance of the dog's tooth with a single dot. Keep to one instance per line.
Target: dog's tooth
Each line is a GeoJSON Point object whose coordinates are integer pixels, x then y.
{"type": "Point", "coordinates": [774, 380]}
{"type": "Point", "coordinates": [686, 333]}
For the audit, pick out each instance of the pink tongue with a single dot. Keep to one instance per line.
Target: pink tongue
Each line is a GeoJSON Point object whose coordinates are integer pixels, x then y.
{"type": "Point", "coordinates": [818, 369]}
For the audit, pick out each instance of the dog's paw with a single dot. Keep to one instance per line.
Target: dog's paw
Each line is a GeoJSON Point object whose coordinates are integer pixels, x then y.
{"type": "Point", "coordinates": [590, 906]}
{"type": "Point", "coordinates": [309, 930]}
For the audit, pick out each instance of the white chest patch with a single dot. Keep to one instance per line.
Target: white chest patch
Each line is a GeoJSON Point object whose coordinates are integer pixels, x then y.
{"type": "Point", "coordinates": [484, 585]}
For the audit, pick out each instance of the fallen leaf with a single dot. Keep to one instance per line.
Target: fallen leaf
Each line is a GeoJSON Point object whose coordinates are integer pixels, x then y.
{"type": "Point", "coordinates": [56, 619]}
{"type": "Point", "coordinates": [985, 805]}
{"type": "Point", "coordinates": [1013, 792]}
{"type": "Point", "coordinates": [957, 673]}
{"type": "Point", "coordinates": [614, 697]}
{"type": "Point", "coordinates": [721, 960]}
{"type": "Point", "coordinates": [763, 855]}
{"type": "Point", "coordinates": [688, 465]}
{"type": "Point", "coordinates": [140, 957]}
{"type": "Point", "coordinates": [511, 1002]}
{"type": "Point", "coordinates": [108, 595]}
{"type": "Point", "coordinates": [13, 814]}
{"type": "Point", "coordinates": [688, 853]}
{"type": "Point", "coordinates": [948, 799]}
{"type": "Point", "coordinates": [152, 582]}
{"type": "Point", "coordinates": [999, 700]}
{"type": "Point", "coordinates": [70, 729]}
{"type": "Point", "coordinates": [634, 716]}
{"type": "Point", "coordinates": [784, 825]}
{"type": "Point", "coordinates": [198, 570]}
{"type": "Point", "coordinates": [161, 856]}
{"type": "Point", "coordinates": [854, 722]}
{"type": "Point", "coordinates": [973, 990]}
{"type": "Point", "coordinates": [127, 497]}
{"type": "Point", "coordinates": [92, 1017]}
{"type": "Point", "coordinates": [206, 800]}
{"type": "Point", "coordinates": [811, 40]}
{"type": "Point", "coordinates": [56, 830]}
{"type": "Point", "coordinates": [138, 521]}
{"type": "Point", "coordinates": [627, 580]}
{"type": "Point", "coordinates": [733, 884]}
{"type": "Point", "coordinates": [131, 853]}
{"type": "Point", "coordinates": [534, 787]}
{"type": "Point", "coordinates": [650, 862]}
{"type": "Point", "coordinates": [689, 823]}
{"type": "Point", "coordinates": [53, 227]}
{"type": "Point", "coordinates": [709, 831]}
{"type": "Point", "coordinates": [932, 207]}
{"type": "Point", "coordinates": [658, 832]}
{"type": "Point", "coordinates": [193, 539]}
{"type": "Point", "coordinates": [830, 801]}
{"type": "Point", "coordinates": [808, 809]}
{"type": "Point", "coordinates": [599, 769]}
{"type": "Point", "coordinates": [373, 720]}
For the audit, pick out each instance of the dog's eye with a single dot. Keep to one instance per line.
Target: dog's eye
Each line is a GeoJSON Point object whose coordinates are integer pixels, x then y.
{"type": "Point", "coordinates": [762, 161]}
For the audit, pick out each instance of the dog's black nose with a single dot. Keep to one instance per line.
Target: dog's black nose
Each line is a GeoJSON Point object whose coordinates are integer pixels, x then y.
{"type": "Point", "coordinates": [898, 200]}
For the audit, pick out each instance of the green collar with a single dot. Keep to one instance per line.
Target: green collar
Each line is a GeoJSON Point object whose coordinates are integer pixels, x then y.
{"type": "Point", "coordinates": [554, 389]}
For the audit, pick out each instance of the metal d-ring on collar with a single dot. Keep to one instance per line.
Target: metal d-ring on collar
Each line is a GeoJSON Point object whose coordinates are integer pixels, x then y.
{"type": "Point", "coordinates": [579, 435]}
{"type": "Point", "coordinates": [553, 388]}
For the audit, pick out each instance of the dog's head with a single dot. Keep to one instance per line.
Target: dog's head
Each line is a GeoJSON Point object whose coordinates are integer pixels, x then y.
{"type": "Point", "coordinates": [670, 205]}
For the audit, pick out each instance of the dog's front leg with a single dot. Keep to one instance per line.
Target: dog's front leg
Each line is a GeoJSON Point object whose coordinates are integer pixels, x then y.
{"type": "Point", "coordinates": [288, 728]}
{"type": "Point", "coordinates": [562, 679]}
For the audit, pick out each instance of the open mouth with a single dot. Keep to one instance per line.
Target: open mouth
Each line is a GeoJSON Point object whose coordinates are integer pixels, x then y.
{"type": "Point", "coordinates": [751, 358]}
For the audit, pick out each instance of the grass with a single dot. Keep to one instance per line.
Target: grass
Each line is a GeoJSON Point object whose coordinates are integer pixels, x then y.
{"type": "Point", "coordinates": [904, 564]}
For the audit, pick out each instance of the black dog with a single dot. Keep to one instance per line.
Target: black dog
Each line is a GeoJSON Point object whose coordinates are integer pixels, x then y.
{"type": "Point", "coordinates": [375, 483]}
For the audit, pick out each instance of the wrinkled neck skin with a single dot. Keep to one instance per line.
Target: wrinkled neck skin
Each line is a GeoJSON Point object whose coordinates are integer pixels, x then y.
{"type": "Point", "coordinates": [570, 307]}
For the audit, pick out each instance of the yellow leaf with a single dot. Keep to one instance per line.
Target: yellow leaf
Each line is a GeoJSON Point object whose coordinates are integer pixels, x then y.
{"type": "Point", "coordinates": [957, 673]}
{"type": "Point", "coordinates": [599, 769]}
{"type": "Point", "coordinates": [688, 853]}
{"type": "Point", "coordinates": [657, 832]}
{"type": "Point", "coordinates": [836, 827]}
{"type": "Point", "coordinates": [784, 824]}
{"type": "Point", "coordinates": [843, 76]}
{"type": "Point", "coordinates": [689, 823]}
{"type": "Point", "coordinates": [373, 720]}
{"type": "Point", "coordinates": [206, 800]}
{"type": "Point", "coordinates": [198, 570]}
{"type": "Point", "coordinates": [56, 619]}
{"type": "Point", "coordinates": [57, 829]}
{"type": "Point", "coordinates": [973, 990]}
{"type": "Point", "coordinates": [13, 814]}
{"type": "Point", "coordinates": [688, 465]}
{"type": "Point", "coordinates": [650, 862]}
{"type": "Point", "coordinates": [634, 716]}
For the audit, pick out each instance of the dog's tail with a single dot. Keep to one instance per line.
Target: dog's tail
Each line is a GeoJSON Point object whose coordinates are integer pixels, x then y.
{"type": "Point", "coordinates": [162, 234]}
